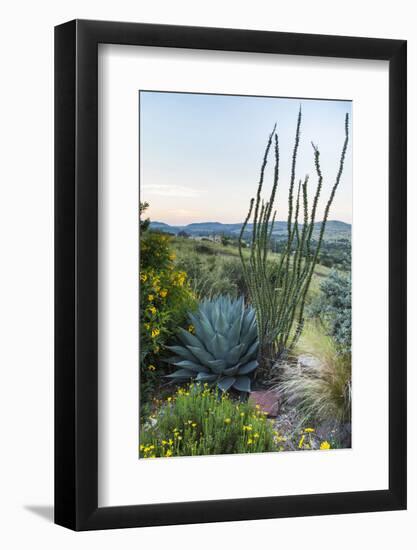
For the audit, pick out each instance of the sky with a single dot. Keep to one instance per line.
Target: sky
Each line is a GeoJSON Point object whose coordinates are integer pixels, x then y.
{"type": "Point", "coordinates": [201, 154]}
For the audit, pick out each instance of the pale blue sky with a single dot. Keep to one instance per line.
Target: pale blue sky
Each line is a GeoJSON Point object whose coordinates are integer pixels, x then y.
{"type": "Point", "coordinates": [201, 154]}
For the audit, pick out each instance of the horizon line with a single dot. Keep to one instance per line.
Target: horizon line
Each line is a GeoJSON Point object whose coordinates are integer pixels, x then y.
{"type": "Point", "coordinates": [241, 223]}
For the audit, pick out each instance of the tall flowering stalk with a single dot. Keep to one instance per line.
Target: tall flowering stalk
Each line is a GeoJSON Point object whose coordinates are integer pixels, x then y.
{"type": "Point", "coordinates": [278, 290]}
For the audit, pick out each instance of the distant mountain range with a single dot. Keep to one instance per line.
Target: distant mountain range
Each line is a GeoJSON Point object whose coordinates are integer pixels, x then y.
{"type": "Point", "coordinates": [334, 229]}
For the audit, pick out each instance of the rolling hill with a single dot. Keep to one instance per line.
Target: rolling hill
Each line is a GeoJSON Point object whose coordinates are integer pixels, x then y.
{"type": "Point", "coordinates": [334, 229]}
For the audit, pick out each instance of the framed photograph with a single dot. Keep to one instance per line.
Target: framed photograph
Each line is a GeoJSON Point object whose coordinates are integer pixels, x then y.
{"type": "Point", "coordinates": [230, 252]}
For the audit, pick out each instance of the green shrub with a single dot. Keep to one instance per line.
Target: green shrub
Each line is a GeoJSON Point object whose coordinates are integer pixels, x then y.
{"type": "Point", "coordinates": [165, 300]}
{"type": "Point", "coordinates": [334, 307]}
{"type": "Point", "coordinates": [198, 421]}
{"type": "Point", "coordinates": [222, 349]}
{"type": "Point", "coordinates": [155, 251]}
{"type": "Point", "coordinates": [204, 249]}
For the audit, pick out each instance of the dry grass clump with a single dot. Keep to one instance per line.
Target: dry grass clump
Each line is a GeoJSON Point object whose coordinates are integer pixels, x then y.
{"type": "Point", "coordinates": [321, 389]}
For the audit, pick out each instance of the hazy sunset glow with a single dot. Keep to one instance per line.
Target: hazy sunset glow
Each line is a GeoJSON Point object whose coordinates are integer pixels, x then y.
{"type": "Point", "coordinates": [200, 154]}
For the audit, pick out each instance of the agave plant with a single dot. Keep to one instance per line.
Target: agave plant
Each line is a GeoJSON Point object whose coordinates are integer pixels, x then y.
{"type": "Point", "coordinates": [222, 349]}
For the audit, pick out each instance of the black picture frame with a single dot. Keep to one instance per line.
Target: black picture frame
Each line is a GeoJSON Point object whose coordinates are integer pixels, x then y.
{"type": "Point", "coordinates": [76, 271]}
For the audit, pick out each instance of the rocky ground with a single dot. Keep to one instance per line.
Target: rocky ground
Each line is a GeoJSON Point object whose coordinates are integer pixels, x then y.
{"type": "Point", "coordinates": [295, 432]}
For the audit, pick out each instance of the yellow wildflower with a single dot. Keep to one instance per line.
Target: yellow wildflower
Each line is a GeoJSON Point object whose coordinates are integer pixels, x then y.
{"type": "Point", "coordinates": [193, 425]}
{"type": "Point", "coordinates": [151, 297]}
{"type": "Point", "coordinates": [309, 430]}
{"type": "Point", "coordinates": [180, 278]}
{"type": "Point", "coordinates": [143, 277]}
{"type": "Point", "coordinates": [250, 441]}
{"type": "Point", "coordinates": [155, 332]}
{"type": "Point", "coordinates": [300, 443]}
{"type": "Point", "coordinates": [168, 452]}
{"type": "Point", "coordinates": [163, 293]}
{"type": "Point", "coordinates": [151, 367]}
{"type": "Point", "coordinates": [152, 309]}
{"type": "Point", "coordinates": [191, 328]}
{"type": "Point", "coordinates": [324, 445]}
{"type": "Point", "coordinates": [227, 420]}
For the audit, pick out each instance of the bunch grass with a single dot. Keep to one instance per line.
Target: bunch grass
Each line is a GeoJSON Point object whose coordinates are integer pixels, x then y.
{"type": "Point", "coordinates": [323, 390]}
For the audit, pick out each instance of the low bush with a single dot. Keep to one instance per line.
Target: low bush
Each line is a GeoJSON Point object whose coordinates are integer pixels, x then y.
{"type": "Point", "coordinates": [165, 300]}
{"type": "Point", "coordinates": [333, 306]}
{"type": "Point", "coordinates": [200, 421]}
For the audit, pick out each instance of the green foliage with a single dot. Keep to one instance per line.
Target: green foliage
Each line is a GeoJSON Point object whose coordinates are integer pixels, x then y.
{"type": "Point", "coordinates": [322, 390]}
{"type": "Point", "coordinates": [155, 251]}
{"type": "Point", "coordinates": [225, 240]}
{"type": "Point", "coordinates": [213, 274]}
{"type": "Point", "coordinates": [336, 254]}
{"type": "Point", "coordinates": [333, 307]}
{"type": "Point", "coordinates": [279, 293]}
{"type": "Point", "coordinates": [198, 421]}
{"type": "Point", "coordinates": [165, 300]}
{"type": "Point", "coordinates": [222, 349]}
{"type": "Point", "coordinates": [143, 223]}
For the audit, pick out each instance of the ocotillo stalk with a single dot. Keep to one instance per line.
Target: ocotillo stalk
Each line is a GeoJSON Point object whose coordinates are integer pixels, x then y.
{"type": "Point", "coordinates": [278, 290]}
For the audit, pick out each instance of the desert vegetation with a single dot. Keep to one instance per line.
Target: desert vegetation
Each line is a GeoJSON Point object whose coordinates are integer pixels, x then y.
{"type": "Point", "coordinates": [245, 329]}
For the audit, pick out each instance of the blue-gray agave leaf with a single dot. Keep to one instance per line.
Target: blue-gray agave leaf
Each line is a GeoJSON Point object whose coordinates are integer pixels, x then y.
{"type": "Point", "coordinates": [223, 348]}
{"type": "Point", "coordinates": [242, 384]}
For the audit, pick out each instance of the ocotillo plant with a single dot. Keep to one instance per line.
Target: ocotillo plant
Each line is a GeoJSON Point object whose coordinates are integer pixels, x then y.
{"type": "Point", "coordinates": [278, 290]}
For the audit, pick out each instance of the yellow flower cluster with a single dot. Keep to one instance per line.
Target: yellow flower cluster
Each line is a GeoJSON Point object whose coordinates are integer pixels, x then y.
{"type": "Point", "coordinates": [148, 451]}
{"type": "Point", "coordinates": [309, 440]}
{"type": "Point", "coordinates": [179, 278]}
